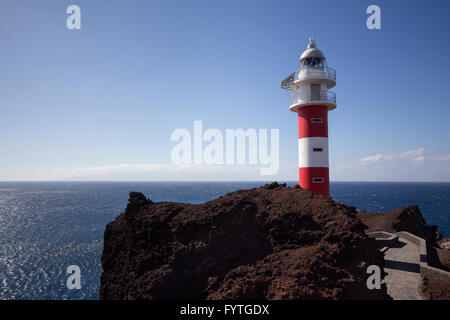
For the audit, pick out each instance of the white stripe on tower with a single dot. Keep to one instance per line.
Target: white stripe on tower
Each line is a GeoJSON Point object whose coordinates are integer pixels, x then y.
{"type": "Point", "coordinates": [313, 152]}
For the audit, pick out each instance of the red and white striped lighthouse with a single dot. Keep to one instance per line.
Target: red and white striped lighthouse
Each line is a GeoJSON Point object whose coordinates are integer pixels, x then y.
{"type": "Point", "coordinates": [311, 100]}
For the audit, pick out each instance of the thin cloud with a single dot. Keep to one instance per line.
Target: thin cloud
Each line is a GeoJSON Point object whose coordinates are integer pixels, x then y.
{"type": "Point", "coordinates": [419, 160]}
{"type": "Point", "coordinates": [413, 155]}
{"type": "Point", "coordinates": [442, 158]}
{"type": "Point", "coordinates": [174, 172]}
{"type": "Point", "coordinates": [150, 167]}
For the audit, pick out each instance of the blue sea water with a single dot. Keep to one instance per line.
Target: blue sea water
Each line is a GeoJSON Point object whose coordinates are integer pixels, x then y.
{"type": "Point", "coordinates": [45, 227]}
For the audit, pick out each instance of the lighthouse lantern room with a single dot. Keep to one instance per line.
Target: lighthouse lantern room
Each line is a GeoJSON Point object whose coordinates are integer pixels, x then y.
{"type": "Point", "coordinates": [310, 98]}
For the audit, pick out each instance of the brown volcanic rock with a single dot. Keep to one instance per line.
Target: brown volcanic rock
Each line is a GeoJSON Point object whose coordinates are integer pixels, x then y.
{"type": "Point", "coordinates": [444, 259]}
{"type": "Point", "coordinates": [272, 242]}
{"type": "Point", "coordinates": [435, 289]}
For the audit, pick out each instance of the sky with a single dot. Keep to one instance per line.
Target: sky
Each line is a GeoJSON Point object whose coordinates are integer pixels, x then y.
{"type": "Point", "coordinates": [102, 102]}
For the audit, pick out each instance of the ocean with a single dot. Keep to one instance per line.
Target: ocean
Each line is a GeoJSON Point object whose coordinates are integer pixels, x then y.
{"type": "Point", "coordinates": [45, 227]}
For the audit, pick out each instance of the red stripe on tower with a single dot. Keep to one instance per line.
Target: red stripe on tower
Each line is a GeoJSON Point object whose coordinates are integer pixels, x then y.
{"type": "Point", "coordinates": [307, 174]}
{"type": "Point", "coordinates": [313, 121]}
{"type": "Point", "coordinates": [310, 98]}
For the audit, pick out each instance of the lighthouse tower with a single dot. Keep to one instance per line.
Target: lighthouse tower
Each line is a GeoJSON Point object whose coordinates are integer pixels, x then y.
{"type": "Point", "coordinates": [311, 100]}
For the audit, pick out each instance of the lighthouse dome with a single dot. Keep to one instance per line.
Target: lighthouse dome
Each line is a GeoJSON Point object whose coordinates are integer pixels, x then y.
{"type": "Point", "coordinates": [312, 57]}
{"type": "Point", "coordinates": [312, 53]}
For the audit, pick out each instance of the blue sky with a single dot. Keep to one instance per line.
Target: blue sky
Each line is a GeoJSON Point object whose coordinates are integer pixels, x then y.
{"type": "Point", "coordinates": [101, 103]}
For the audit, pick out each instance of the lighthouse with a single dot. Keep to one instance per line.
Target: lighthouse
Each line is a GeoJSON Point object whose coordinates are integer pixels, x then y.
{"type": "Point", "coordinates": [310, 98]}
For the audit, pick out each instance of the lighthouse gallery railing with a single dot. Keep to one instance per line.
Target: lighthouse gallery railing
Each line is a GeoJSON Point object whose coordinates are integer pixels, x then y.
{"type": "Point", "coordinates": [295, 97]}
{"type": "Point", "coordinates": [309, 73]}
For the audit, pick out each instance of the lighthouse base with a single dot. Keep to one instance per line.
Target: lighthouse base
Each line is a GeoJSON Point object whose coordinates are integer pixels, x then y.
{"type": "Point", "coordinates": [315, 179]}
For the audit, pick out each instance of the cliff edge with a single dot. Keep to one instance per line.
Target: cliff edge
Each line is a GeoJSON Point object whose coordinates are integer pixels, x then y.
{"type": "Point", "coordinates": [408, 219]}
{"type": "Point", "coordinates": [272, 242]}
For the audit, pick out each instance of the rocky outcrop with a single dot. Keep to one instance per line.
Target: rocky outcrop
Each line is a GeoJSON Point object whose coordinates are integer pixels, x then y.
{"type": "Point", "coordinates": [408, 219]}
{"type": "Point", "coordinates": [435, 289]}
{"type": "Point", "coordinates": [273, 242]}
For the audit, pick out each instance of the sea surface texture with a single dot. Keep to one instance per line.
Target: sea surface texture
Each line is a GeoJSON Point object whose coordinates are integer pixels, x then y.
{"type": "Point", "coordinates": [46, 227]}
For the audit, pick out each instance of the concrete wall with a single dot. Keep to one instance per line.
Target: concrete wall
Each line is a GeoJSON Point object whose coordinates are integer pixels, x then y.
{"type": "Point", "coordinates": [425, 270]}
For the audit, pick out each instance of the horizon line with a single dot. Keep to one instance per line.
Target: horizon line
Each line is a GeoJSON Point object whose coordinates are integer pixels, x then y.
{"type": "Point", "coordinates": [210, 181]}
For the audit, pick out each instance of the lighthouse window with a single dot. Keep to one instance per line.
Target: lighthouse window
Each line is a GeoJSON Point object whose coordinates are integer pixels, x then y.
{"type": "Point", "coordinates": [317, 149]}
{"type": "Point", "coordinates": [318, 180]}
{"type": "Point", "coordinates": [316, 120]}
{"type": "Point", "coordinates": [312, 62]}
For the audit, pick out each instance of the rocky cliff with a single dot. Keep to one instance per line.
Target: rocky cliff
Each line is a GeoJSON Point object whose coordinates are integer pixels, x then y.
{"type": "Point", "coordinates": [408, 219]}
{"type": "Point", "coordinates": [273, 242]}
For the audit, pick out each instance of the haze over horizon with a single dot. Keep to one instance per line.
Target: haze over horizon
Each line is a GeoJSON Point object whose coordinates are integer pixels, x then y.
{"type": "Point", "coordinates": [101, 103]}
